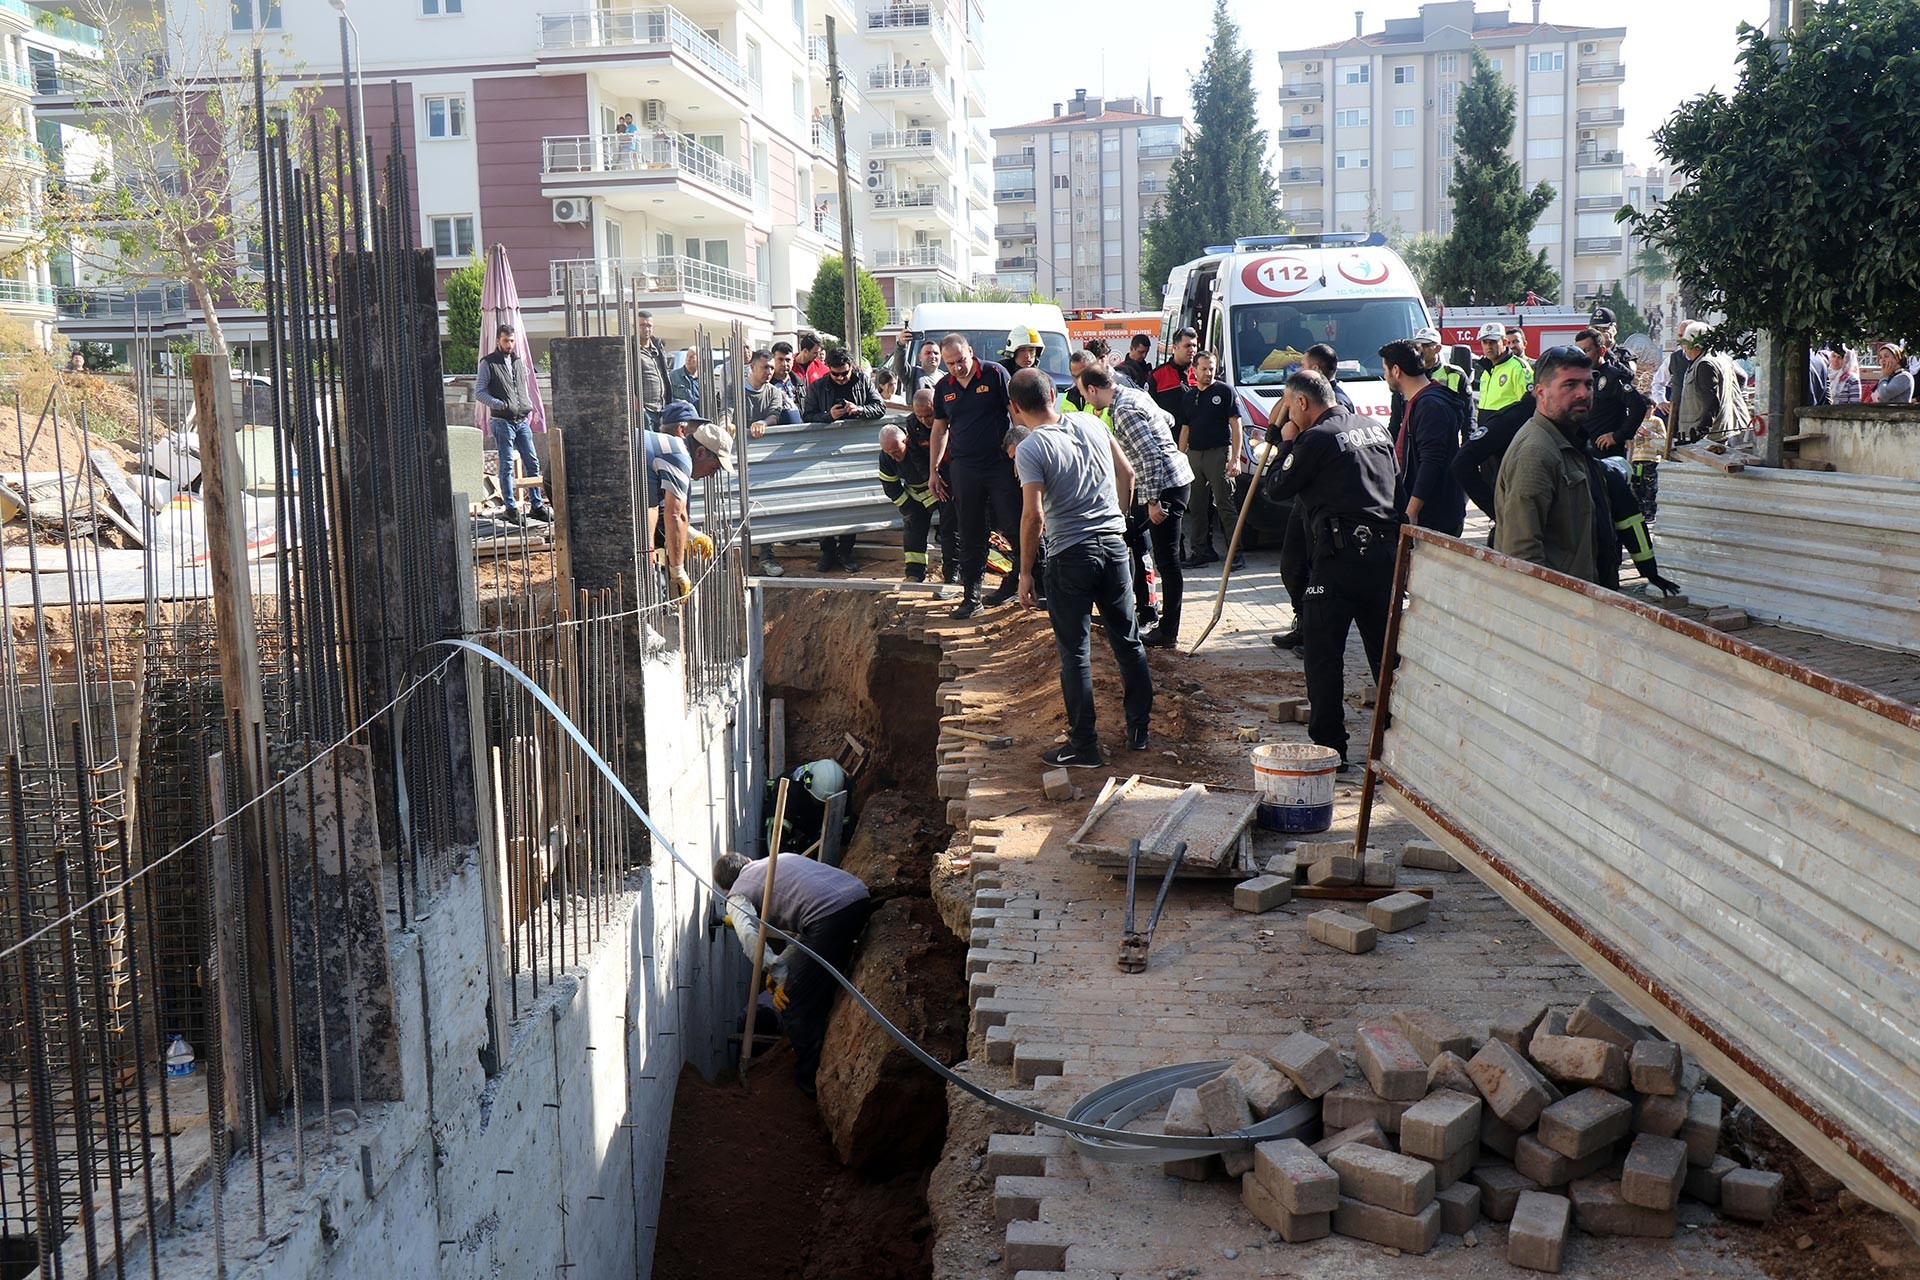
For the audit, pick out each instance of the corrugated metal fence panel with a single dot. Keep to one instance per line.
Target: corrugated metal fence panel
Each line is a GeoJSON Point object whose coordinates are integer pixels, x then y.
{"type": "Point", "coordinates": [813, 480]}
{"type": "Point", "coordinates": [1734, 849]}
{"type": "Point", "coordinates": [1837, 553]}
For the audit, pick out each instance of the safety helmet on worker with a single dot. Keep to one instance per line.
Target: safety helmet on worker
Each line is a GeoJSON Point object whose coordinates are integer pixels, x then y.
{"type": "Point", "coordinates": [822, 779]}
{"type": "Point", "coordinates": [1023, 336]}
{"type": "Point", "coordinates": [1492, 330]}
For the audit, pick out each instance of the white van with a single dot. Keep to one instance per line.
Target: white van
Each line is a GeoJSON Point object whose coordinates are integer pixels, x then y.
{"type": "Point", "coordinates": [986, 325]}
{"type": "Point", "coordinates": [1259, 303]}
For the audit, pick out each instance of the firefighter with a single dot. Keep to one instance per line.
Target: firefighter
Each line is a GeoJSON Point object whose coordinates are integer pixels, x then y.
{"type": "Point", "coordinates": [906, 479]}
{"type": "Point", "coordinates": [814, 784]}
{"type": "Point", "coordinates": [1024, 346]}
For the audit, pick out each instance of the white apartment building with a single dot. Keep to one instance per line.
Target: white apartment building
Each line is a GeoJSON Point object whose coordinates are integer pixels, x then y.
{"type": "Point", "coordinates": [1366, 134]}
{"type": "Point", "coordinates": [719, 201]}
{"type": "Point", "coordinates": [1074, 193]}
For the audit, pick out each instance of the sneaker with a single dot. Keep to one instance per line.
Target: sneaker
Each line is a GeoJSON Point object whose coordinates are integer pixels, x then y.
{"type": "Point", "coordinates": [1289, 640]}
{"type": "Point", "coordinates": [825, 564]}
{"type": "Point", "coordinates": [771, 568]}
{"type": "Point", "coordinates": [1199, 561]}
{"type": "Point", "coordinates": [1136, 739]}
{"type": "Point", "coordinates": [1068, 756]}
{"type": "Point", "coordinates": [1146, 619]}
{"type": "Point", "coordinates": [512, 516]}
{"type": "Point", "coordinates": [542, 512]}
{"type": "Point", "coordinates": [1161, 638]}
{"type": "Point", "coordinates": [1008, 589]}
{"type": "Point", "coordinates": [1239, 562]}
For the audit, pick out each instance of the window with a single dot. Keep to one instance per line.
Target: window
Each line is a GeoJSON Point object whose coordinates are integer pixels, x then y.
{"type": "Point", "coordinates": [452, 236]}
{"type": "Point", "coordinates": [1350, 201]}
{"type": "Point", "coordinates": [1402, 201]}
{"type": "Point", "coordinates": [799, 98]}
{"type": "Point", "coordinates": [1354, 72]}
{"type": "Point", "coordinates": [663, 244]}
{"type": "Point", "coordinates": [436, 8]}
{"type": "Point", "coordinates": [800, 14]}
{"type": "Point", "coordinates": [1449, 64]}
{"type": "Point", "coordinates": [1546, 104]}
{"type": "Point", "coordinates": [1110, 142]}
{"type": "Point", "coordinates": [1113, 284]}
{"type": "Point", "coordinates": [1598, 224]}
{"type": "Point", "coordinates": [1403, 157]}
{"type": "Point", "coordinates": [1352, 160]}
{"type": "Point", "coordinates": [1160, 135]}
{"type": "Point", "coordinates": [1109, 213]}
{"type": "Point", "coordinates": [1352, 118]}
{"type": "Point", "coordinates": [1546, 62]}
{"type": "Point", "coordinates": [762, 174]}
{"type": "Point", "coordinates": [1403, 118]}
{"type": "Point", "coordinates": [1058, 144]}
{"type": "Point", "coordinates": [446, 115]}
{"type": "Point", "coordinates": [1110, 177]}
{"type": "Point", "coordinates": [1403, 75]}
{"type": "Point", "coordinates": [256, 15]}
{"type": "Point", "coordinates": [1499, 66]}
{"type": "Point", "coordinates": [1062, 182]}
{"type": "Point", "coordinates": [1060, 216]}
{"type": "Point", "coordinates": [1546, 148]}
{"type": "Point", "coordinates": [1544, 233]}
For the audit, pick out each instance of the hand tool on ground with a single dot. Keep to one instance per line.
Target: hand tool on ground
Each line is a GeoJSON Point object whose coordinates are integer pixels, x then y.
{"type": "Point", "coordinates": [1233, 547]}
{"type": "Point", "coordinates": [995, 742]}
{"type": "Point", "coordinates": [1133, 946]}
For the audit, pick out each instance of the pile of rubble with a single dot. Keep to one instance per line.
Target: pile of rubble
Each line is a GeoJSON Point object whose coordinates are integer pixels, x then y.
{"type": "Point", "coordinates": [1334, 867]}
{"type": "Point", "coordinates": [1563, 1118]}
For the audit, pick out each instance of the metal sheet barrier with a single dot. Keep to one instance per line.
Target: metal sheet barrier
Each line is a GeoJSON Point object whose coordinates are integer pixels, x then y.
{"type": "Point", "coordinates": [1837, 553]}
{"type": "Point", "coordinates": [812, 480]}
{"type": "Point", "coordinates": [1731, 842]}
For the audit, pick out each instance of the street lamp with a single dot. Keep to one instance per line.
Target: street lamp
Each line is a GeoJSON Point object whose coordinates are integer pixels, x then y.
{"type": "Point", "coordinates": [355, 85]}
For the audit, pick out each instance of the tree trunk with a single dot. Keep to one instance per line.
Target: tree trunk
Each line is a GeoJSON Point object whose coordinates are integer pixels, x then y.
{"type": "Point", "coordinates": [202, 295]}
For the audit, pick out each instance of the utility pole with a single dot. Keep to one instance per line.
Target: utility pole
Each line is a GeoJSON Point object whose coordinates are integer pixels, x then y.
{"type": "Point", "coordinates": [1782, 385]}
{"type": "Point", "coordinates": [849, 269]}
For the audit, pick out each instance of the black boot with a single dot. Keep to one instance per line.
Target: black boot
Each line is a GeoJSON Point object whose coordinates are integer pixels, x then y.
{"type": "Point", "coordinates": [1008, 589]}
{"type": "Point", "coordinates": [969, 606]}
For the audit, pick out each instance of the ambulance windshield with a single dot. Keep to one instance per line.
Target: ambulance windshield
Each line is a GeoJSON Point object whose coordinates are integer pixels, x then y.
{"type": "Point", "coordinates": [1271, 338]}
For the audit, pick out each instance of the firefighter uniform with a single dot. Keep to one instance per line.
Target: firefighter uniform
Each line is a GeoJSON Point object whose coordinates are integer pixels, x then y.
{"type": "Point", "coordinates": [907, 483]}
{"type": "Point", "coordinates": [1340, 475]}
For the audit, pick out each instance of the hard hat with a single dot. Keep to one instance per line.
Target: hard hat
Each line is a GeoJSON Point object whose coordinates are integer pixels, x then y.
{"type": "Point", "coordinates": [1492, 329]}
{"type": "Point", "coordinates": [1022, 336]}
{"type": "Point", "coordinates": [1428, 335]}
{"type": "Point", "coordinates": [822, 778]}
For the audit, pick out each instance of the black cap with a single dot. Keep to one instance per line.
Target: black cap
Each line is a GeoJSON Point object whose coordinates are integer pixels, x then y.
{"type": "Point", "coordinates": [1601, 315]}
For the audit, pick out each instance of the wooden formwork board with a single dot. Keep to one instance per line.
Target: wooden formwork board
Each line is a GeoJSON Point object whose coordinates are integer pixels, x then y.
{"type": "Point", "coordinates": [1159, 812]}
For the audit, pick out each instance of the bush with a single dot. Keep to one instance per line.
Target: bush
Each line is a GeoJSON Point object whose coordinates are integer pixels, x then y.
{"type": "Point", "coordinates": [463, 317]}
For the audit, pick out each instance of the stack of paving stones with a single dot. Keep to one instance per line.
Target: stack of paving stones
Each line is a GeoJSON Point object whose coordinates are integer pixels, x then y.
{"type": "Point", "coordinates": [1336, 866]}
{"type": "Point", "coordinates": [1563, 1119]}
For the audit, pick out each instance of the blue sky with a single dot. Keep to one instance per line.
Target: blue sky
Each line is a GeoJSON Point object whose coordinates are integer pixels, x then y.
{"type": "Point", "coordinates": [1039, 53]}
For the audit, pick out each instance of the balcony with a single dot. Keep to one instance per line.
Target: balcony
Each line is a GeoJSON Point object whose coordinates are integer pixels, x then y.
{"type": "Point", "coordinates": [1013, 195]}
{"type": "Point", "coordinates": [658, 29]}
{"type": "Point", "coordinates": [1307, 91]}
{"type": "Point", "coordinates": [1594, 158]}
{"type": "Point", "coordinates": [1301, 133]}
{"type": "Point", "coordinates": [976, 37]}
{"type": "Point", "coordinates": [977, 188]}
{"type": "Point", "coordinates": [25, 293]}
{"type": "Point", "coordinates": [57, 25]}
{"type": "Point", "coordinates": [120, 304]}
{"type": "Point", "coordinates": [979, 142]}
{"type": "Point", "coordinates": [1016, 230]}
{"type": "Point", "coordinates": [1150, 187]}
{"type": "Point", "coordinates": [1601, 117]}
{"type": "Point", "coordinates": [1302, 177]}
{"type": "Point", "coordinates": [910, 144]}
{"type": "Point", "coordinates": [16, 79]}
{"type": "Point", "coordinates": [822, 137]}
{"type": "Point", "coordinates": [626, 169]}
{"type": "Point", "coordinates": [920, 202]}
{"type": "Point", "coordinates": [1022, 161]}
{"type": "Point", "coordinates": [1602, 72]}
{"type": "Point", "coordinates": [661, 283]}
{"type": "Point", "coordinates": [907, 22]}
{"type": "Point", "coordinates": [827, 227]}
{"type": "Point", "coordinates": [822, 66]}
{"type": "Point", "coordinates": [1015, 264]}
{"type": "Point", "coordinates": [1597, 245]}
{"type": "Point", "coordinates": [909, 84]}
{"type": "Point", "coordinates": [1159, 151]}
{"type": "Point", "coordinates": [1588, 290]}
{"type": "Point", "coordinates": [915, 260]}
{"type": "Point", "coordinates": [1586, 204]}
{"type": "Point", "coordinates": [1304, 217]}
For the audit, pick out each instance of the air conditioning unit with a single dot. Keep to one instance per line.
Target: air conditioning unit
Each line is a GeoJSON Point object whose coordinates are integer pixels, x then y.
{"type": "Point", "coordinates": [1312, 68]}
{"type": "Point", "coordinates": [572, 210]}
{"type": "Point", "coordinates": [653, 113]}
{"type": "Point", "coordinates": [920, 239]}
{"type": "Point", "coordinates": [1589, 47]}
{"type": "Point", "coordinates": [876, 166]}
{"type": "Point", "coordinates": [1308, 110]}
{"type": "Point", "coordinates": [875, 181]}
{"type": "Point", "coordinates": [1588, 135]}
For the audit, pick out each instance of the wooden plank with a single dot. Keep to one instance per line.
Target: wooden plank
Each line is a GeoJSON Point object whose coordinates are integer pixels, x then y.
{"type": "Point", "coordinates": [1803, 437]}
{"type": "Point", "coordinates": [830, 826]}
{"type": "Point", "coordinates": [1805, 464]}
{"type": "Point", "coordinates": [1731, 463]}
{"type": "Point", "coordinates": [776, 737]}
{"type": "Point", "coordinates": [560, 530]}
{"type": "Point", "coordinates": [1110, 791]}
{"type": "Point", "coordinates": [229, 998]}
{"type": "Point", "coordinates": [1212, 820]}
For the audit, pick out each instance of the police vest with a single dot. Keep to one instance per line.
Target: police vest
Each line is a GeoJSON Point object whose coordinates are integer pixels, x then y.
{"type": "Point", "coordinates": [1449, 377]}
{"type": "Point", "coordinates": [1504, 384]}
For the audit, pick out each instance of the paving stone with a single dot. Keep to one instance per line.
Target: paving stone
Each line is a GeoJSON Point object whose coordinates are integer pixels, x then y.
{"type": "Point", "coordinates": [1392, 1066]}
{"type": "Point", "coordinates": [1537, 1240]}
{"type": "Point", "coordinates": [1000, 1044]}
{"type": "Point", "coordinates": [1383, 1178]}
{"type": "Point", "coordinates": [1752, 1195]}
{"type": "Point", "coordinates": [1662, 1115]}
{"type": "Point", "coordinates": [1294, 1228]}
{"type": "Point", "coordinates": [1367, 1133]}
{"type": "Point", "coordinates": [1034, 1246]}
{"type": "Point", "coordinates": [1310, 1062]}
{"type": "Point", "coordinates": [1355, 1103]}
{"type": "Point", "coordinates": [1459, 1207]}
{"type": "Point", "coordinates": [1703, 1181]}
{"type": "Point", "coordinates": [1654, 1172]}
{"type": "Point", "coordinates": [1701, 1132]}
{"type": "Point", "coordinates": [1409, 1233]}
{"type": "Point", "coordinates": [1599, 1210]}
{"type": "Point", "coordinates": [1585, 1122]}
{"type": "Point", "coordinates": [1380, 870]}
{"type": "Point", "coordinates": [1267, 1090]}
{"type": "Point", "coordinates": [1441, 1125]}
{"type": "Point", "coordinates": [1432, 1035]}
{"type": "Point", "coordinates": [1496, 1134]}
{"type": "Point", "coordinates": [1301, 1181]}
{"type": "Point", "coordinates": [1338, 871]}
{"type": "Point", "coordinates": [1057, 783]}
{"type": "Point", "coordinates": [1655, 1066]}
{"type": "Point", "coordinates": [1031, 1061]}
{"type": "Point", "coordinates": [1511, 1086]}
{"type": "Point", "coordinates": [1515, 1026]}
{"type": "Point", "coordinates": [1397, 911]}
{"type": "Point", "coordinates": [1580, 1061]}
{"type": "Point", "coordinates": [1186, 1119]}
{"type": "Point", "coordinates": [1019, 1197]}
{"type": "Point", "coordinates": [1597, 1017]}
{"type": "Point", "coordinates": [1310, 852]}
{"type": "Point", "coordinates": [1540, 1162]}
{"type": "Point", "coordinates": [1450, 1169]}
{"type": "Point", "coordinates": [1281, 710]}
{"type": "Point", "coordinates": [1262, 893]}
{"type": "Point", "coordinates": [1553, 1024]}
{"type": "Point", "coordinates": [1728, 619]}
{"type": "Point", "coordinates": [1339, 930]}
{"type": "Point", "coordinates": [1501, 1186]}
{"type": "Point", "coordinates": [1023, 1154]}
{"type": "Point", "coordinates": [1224, 1104]}
{"type": "Point", "coordinates": [1427, 856]}
{"type": "Point", "coordinates": [1448, 1070]}
{"type": "Point", "coordinates": [1284, 865]}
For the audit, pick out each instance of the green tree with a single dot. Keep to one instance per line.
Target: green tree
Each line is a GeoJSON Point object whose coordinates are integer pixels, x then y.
{"type": "Point", "coordinates": [1421, 253]}
{"type": "Point", "coordinates": [993, 293]}
{"type": "Point", "coordinates": [1220, 187]}
{"type": "Point", "coordinates": [463, 317]}
{"type": "Point", "coordinates": [1486, 261]}
{"type": "Point", "coordinates": [1625, 314]}
{"type": "Point", "coordinates": [1801, 201]}
{"type": "Point", "coordinates": [826, 305]}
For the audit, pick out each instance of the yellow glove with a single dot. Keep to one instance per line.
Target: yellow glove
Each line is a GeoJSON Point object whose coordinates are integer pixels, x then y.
{"type": "Point", "coordinates": [700, 545]}
{"type": "Point", "coordinates": [682, 585]}
{"type": "Point", "coordinates": [780, 1000]}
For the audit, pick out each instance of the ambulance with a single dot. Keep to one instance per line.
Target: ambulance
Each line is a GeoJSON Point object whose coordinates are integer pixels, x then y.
{"type": "Point", "coordinates": [1259, 303]}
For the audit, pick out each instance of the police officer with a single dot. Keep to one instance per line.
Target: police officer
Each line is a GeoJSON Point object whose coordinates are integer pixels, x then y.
{"type": "Point", "coordinates": [1505, 403]}
{"type": "Point", "coordinates": [1339, 469]}
{"type": "Point", "coordinates": [1618, 407]}
{"type": "Point", "coordinates": [1442, 374]}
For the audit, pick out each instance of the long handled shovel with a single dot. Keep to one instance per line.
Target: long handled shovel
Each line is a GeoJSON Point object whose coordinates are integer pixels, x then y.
{"type": "Point", "coordinates": [1233, 548]}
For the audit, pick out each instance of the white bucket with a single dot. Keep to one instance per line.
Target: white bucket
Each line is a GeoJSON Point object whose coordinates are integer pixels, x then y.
{"type": "Point", "coordinates": [1295, 781]}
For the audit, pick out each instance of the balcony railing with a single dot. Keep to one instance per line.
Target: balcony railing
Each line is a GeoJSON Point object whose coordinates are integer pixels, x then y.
{"type": "Point", "coordinates": [1302, 176]}
{"type": "Point", "coordinates": [1602, 116]}
{"type": "Point", "coordinates": [629, 152]}
{"type": "Point", "coordinates": [1305, 217]}
{"type": "Point", "coordinates": [910, 201]}
{"type": "Point", "coordinates": [1584, 203]}
{"type": "Point", "coordinates": [822, 134]}
{"type": "Point", "coordinates": [827, 227]}
{"type": "Point", "coordinates": [1159, 150]}
{"type": "Point", "coordinates": [909, 19]}
{"type": "Point", "coordinates": [1153, 186]}
{"type": "Point", "coordinates": [910, 140]}
{"type": "Point", "coordinates": [910, 259]}
{"type": "Point", "coordinates": [1307, 91]}
{"type": "Point", "coordinates": [659, 26]}
{"type": "Point", "coordinates": [1014, 195]}
{"type": "Point", "coordinates": [120, 304]}
{"type": "Point", "coordinates": [1015, 264]}
{"type": "Point", "coordinates": [1594, 158]}
{"type": "Point", "coordinates": [643, 276]}
{"type": "Point", "coordinates": [55, 24]}
{"type": "Point", "coordinates": [25, 293]}
{"type": "Point", "coordinates": [1016, 230]}
{"type": "Point", "coordinates": [908, 80]}
{"type": "Point", "coordinates": [1303, 133]}
{"type": "Point", "coordinates": [1587, 290]}
{"type": "Point", "coordinates": [1597, 244]}
{"type": "Point", "coordinates": [1024, 160]}
{"type": "Point", "coordinates": [1596, 72]}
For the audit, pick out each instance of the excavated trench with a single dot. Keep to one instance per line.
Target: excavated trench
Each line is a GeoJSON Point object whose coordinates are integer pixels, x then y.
{"type": "Point", "coordinates": [769, 1182]}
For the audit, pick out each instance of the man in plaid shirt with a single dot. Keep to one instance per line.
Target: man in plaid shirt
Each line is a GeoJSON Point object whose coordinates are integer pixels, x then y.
{"type": "Point", "coordinates": [1162, 483]}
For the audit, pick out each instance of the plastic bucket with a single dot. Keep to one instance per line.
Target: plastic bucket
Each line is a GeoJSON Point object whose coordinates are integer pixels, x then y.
{"type": "Point", "coordinates": [1295, 782]}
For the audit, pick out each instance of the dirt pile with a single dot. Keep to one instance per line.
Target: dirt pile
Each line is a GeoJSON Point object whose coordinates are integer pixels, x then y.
{"type": "Point", "coordinates": [893, 845]}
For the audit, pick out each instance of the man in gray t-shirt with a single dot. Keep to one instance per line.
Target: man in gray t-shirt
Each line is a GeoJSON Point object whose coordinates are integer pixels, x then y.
{"type": "Point", "coordinates": [1075, 483]}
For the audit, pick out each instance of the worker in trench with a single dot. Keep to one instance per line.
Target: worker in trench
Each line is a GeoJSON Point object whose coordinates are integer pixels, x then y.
{"type": "Point", "coordinates": [825, 908]}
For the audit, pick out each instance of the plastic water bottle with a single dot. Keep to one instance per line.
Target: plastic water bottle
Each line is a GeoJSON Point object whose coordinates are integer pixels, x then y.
{"type": "Point", "coordinates": [179, 1057]}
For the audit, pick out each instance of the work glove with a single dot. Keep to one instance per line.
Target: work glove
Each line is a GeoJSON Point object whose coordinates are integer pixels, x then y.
{"type": "Point", "coordinates": [1666, 585]}
{"type": "Point", "coordinates": [682, 585]}
{"type": "Point", "coordinates": [700, 545]}
{"type": "Point", "coordinates": [780, 998]}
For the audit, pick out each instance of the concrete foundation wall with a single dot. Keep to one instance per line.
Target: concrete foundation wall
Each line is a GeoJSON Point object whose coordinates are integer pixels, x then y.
{"type": "Point", "coordinates": [1865, 440]}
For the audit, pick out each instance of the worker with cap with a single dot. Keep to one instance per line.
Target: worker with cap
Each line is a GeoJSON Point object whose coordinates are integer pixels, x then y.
{"type": "Point", "coordinates": [671, 464]}
{"type": "Point", "coordinates": [906, 478]}
{"type": "Point", "coordinates": [1442, 374]}
{"type": "Point", "coordinates": [1618, 407]}
{"type": "Point", "coordinates": [813, 784]}
{"type": "Point", "coordinates": [825, 909]}
{"type": "Point", "coordinates": [1024, 346]}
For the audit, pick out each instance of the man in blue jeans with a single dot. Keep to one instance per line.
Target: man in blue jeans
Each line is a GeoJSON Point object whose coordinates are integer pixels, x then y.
{"type": "Point", "coordinates": [1075, 482]}
{"type": "Point", "coordinates": [502, 386]}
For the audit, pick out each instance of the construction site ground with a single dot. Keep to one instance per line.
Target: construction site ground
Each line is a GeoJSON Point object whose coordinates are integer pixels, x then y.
{"type": "Point", "coordinates": [1221, 982]}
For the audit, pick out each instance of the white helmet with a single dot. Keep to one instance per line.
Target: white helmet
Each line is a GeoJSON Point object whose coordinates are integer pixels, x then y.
{"type": "Point", "coordinates": [1023, 336]}
{"type": "Point", "coordinates": [822, 778]}
{"type": "Point", "coordinates": [1492, 329]}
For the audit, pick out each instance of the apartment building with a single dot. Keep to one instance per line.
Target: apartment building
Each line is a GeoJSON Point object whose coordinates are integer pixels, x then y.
{"type": "Point", "coordinates": [1073, 194]}
{"type": "Point", "coordinates": [1366, 133]}
{"type": "Point", "coordinates": [686, 152]}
